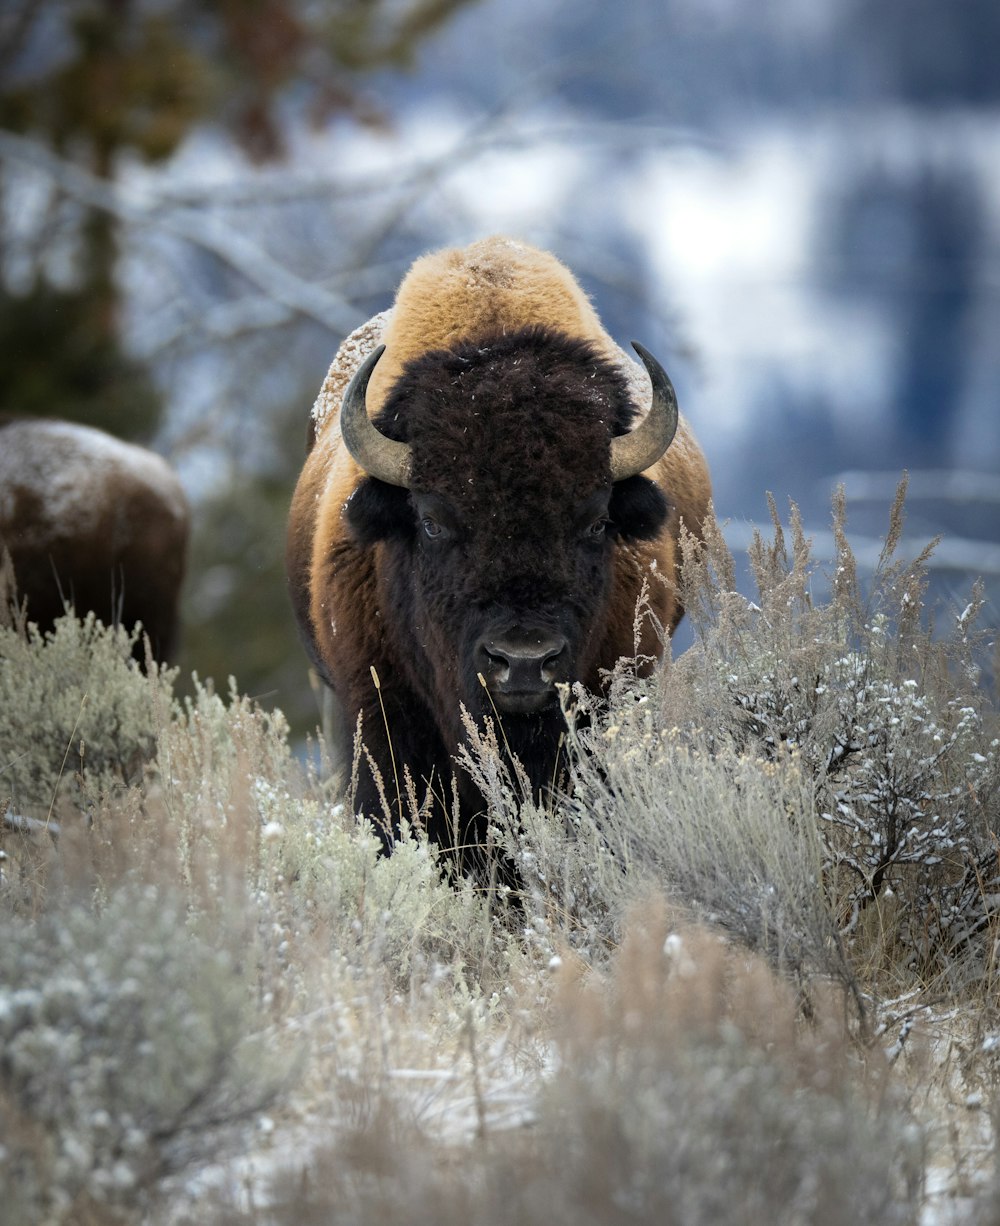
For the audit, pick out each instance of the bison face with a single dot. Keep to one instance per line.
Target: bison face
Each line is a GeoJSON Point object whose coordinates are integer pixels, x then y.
{"type": "Point", "coordinates": [515, 597]}
{"type": "Point", "coordinates": [497, 556]}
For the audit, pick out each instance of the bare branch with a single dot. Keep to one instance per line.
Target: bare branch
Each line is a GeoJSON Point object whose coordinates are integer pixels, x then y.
{"type": "Point", "coordinates": [224, 322]}
{"type": "Point", "coordinates": [206, 232]}
{"type": "Point", "coordinates": [30, 825]}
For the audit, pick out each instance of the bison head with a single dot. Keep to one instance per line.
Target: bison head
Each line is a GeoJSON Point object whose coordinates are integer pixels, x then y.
{"type": "Point", "coordinates": [501, 479]}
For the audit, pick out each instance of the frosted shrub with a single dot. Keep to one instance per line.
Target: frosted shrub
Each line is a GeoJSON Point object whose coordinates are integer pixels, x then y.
{"type": "Point", "coordinates": [887, 718]}
{"type": "Point", "coordinates": [687, 1092]}
{"type": "Point", "coordinates": [682, 1089]}
{"type": "Point", "coordinates": [125, 1050]}
{"type": "Point", "coordinates": [805, 765]}
{"type": "Point", "coordinates": [905, 807]}
{"type": "Point", "coordinates": [74, 706]}
{"type": "Point", "coordinates": [734, 838]}
{"type": "Point", "coordinates": [253, 825]}
{"type": "Point", "coordinates": [397, 913]}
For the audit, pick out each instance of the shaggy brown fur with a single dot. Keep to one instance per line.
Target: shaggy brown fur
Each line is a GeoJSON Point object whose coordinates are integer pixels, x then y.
{"type": "Point", "coordinates": [498, 374]}
{"type": "Point", "coordinates": [95, 523]}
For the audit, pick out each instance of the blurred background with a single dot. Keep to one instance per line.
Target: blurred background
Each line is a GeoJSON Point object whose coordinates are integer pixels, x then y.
{"type": "Point", "coordinates": [795, 204]}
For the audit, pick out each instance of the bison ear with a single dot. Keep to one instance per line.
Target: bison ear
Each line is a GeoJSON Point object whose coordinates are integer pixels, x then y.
{"type": "Point", "coordinates": [638, 509]}
{"type": "Point", "coordinates": [377, 511]}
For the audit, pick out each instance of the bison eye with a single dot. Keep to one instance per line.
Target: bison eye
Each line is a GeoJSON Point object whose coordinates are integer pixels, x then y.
{"type": "Point", "coordinates": [432, 528]}
{"type": "Point", "coordinates": [597, 529]}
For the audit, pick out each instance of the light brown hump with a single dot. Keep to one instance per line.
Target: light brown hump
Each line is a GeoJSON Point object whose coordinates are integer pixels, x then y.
{"type": "Point", "coordinates": [493, 286]}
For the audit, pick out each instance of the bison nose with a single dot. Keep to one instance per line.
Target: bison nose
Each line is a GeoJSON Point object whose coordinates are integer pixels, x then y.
{"type": "Point", "coordinates": [522, 667]}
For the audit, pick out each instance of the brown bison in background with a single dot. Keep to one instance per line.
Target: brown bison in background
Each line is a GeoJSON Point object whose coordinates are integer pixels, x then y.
{"type": "Point", "coordinates": [499, 483]}
{"type": "Point", "coordinates": [95, 523]}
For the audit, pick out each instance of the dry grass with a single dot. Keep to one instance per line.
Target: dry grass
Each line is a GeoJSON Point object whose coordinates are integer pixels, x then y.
{"type": "Point", "coordinates": [683, 1088]}
{"type": "Point", "coordinates": [751, 976]}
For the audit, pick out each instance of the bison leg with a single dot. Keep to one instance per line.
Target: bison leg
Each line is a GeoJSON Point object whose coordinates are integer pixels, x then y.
{"type": "Point", "coordinates": [398, 756]}
{"type": "Point", "coordinates": [398, 730]}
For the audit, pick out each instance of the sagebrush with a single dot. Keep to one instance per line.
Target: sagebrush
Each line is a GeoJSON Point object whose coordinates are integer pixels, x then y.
{"type": "Point", "coordinates": [774, 860]}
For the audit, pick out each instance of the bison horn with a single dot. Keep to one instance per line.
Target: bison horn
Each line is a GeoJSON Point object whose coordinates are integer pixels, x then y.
{"type": "Point", "coordinates": [381, 457]}
{"type": "Point", "coordinates": [636, 451]}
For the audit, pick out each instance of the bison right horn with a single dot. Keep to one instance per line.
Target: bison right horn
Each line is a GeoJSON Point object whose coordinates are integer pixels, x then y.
{"type": "Point", "coordinates": [380, 456]}
{"type": "Point", "coordinates": [636, 451]}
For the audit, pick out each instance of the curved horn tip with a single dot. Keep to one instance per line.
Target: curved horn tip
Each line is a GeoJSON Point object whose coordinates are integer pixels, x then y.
{"type": "Point", "coordinates": [646, 356]}
{"type": "Point", "coordinates": [638, 450]}
{"type": "Point", "coordinates": [380, 457]}
{"type": "Point", "coordinates": [363, 373]}
{"type": "Point", "coordinates": [660, 377]}
{"type": "Point", "coordinates": [373, 357]}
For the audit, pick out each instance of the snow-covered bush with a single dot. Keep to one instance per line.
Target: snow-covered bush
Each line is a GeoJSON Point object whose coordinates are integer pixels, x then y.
{"type": "Point", "coordinates": [682, 1090]}
{"type": "Point", "coordinates": [687, 1091]}
{"type": "Point", "coordinates": [654, 809]}
{"type": "Point", "coordinates": [75, 709]}
{"type": "Point", "coordinates": [244, 809]}
{"type": "Point", "coordinates": [815, 781]}
{"type": "Point", "coordinates": [126, 1047]}
{"type": "Point", "coordinates": [820, 777]}
{"type": "Point", "coordinates": [887, 714]}
{"type": "Point", "coordinates": [226, 871]}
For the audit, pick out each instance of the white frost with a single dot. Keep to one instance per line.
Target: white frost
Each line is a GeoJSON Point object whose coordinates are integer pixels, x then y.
{"type": "Point", "coordinates": [68, 468]}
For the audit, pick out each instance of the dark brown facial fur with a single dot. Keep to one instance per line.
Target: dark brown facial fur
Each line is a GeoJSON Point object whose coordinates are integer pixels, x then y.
{"type": "Point", "coordinates": [497, 563]}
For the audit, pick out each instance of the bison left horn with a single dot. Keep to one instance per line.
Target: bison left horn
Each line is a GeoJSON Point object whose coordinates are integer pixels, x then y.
{"type": "Point", "coordinates": [636, 451]}
{"type": "Point", "coordinates": [380, 456]}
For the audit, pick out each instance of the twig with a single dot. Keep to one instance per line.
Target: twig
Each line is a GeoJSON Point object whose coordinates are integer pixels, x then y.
{"type": "Point", "coordinates": [30, 825]}
{"type": "Point", "coordinates": [207, 232]}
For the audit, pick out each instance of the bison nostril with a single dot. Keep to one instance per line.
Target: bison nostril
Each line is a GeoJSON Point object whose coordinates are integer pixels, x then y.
{"type": "Point", "coordinates": [524, 662]}
{"type": "Point", "coordinates": [550, 665]}
{"type": "Point", "coordinates": [499, 664]}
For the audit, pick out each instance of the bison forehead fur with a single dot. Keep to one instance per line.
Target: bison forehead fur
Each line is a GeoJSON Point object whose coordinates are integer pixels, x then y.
{"type": "Point", "coordinates": [515, 434]}
{"type": "Point", "coordinates": [498, 419]}
{"type": "Point", "coordinates": [509, 560]}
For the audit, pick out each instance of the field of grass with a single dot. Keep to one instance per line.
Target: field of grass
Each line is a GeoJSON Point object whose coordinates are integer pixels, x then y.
{"type": "Point", "coordinates": [751, 976]}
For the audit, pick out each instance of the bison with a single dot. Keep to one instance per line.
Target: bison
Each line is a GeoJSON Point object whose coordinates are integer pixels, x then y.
{"type": "Point", "coordinates": [94, 523]}
{"type": "Point", "coordinates": [477, 523]}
